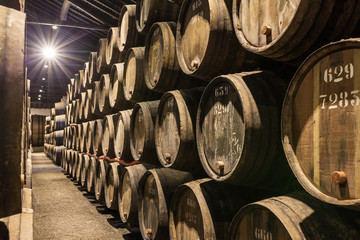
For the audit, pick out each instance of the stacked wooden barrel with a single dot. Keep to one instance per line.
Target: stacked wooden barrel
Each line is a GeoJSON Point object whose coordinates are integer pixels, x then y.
{"type": "Point", "coordinates": [171, 96]}
{"type": "Point", "coordinates": [54, 132]}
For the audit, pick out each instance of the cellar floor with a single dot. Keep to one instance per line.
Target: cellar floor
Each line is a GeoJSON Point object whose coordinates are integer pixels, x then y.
{"type": "Point", "coordinates": [63, 210]}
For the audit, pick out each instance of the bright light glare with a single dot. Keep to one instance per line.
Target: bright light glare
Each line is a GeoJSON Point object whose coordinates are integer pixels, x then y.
{"type": "Point", "coordinates": [46, 66]}
{"type": "Point", "coordinates": [40, 90]}
{"type": "Point", "coordinates": [43, 79]}
{"type": "Point", "coordinates": [49, 52]}
{"type": "Point", "coordinates": [39, 98]}
{"type": "Point", "coordinates": [54, 27]}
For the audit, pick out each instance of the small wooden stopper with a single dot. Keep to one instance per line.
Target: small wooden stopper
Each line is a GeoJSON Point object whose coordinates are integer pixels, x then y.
{"type": "Point", "coordinates": [220, 165]}
{"type": "Point", "coordinates": [125, 214]}
{"type": "Point", "coordinates": [266, 30]}
{"type": "Point", "coordinates": [140, 152]}
{"type": "Point", "coordinates": [195, 63]}
{"type": "Point", "coordinates": [148, 231]}
{"type": "Point", "coordinates": [168, 157]}
{"type": "Point", "coordinates": [130, 92]}
{"type": "Point", "coordinates": [338, 177]}
{"type": "Point", "coordinates": [123, 44]}
{"type": "Point", "coordinates": [155, 80]}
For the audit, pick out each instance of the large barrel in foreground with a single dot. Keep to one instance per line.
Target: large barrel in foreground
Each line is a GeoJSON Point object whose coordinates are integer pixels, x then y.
{"type": "Point", "coordinates": [238, 130]}
{"type": "Point", "coordinates": [156, 189]}
{"type": "Point", "coordinates": [321, 124]}
{"type": "Point", "coordinates": [287, 31]}
{"type": "Point", "coordinates": [297, 216]}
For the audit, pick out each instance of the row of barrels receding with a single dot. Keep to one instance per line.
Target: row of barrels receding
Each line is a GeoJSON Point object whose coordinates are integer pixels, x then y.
{"type": "Point", "coordinates": [135, 103]}
{"type": "Point", "coordinates": [165, 203]}
{"type": "Point", "coordinates": [54, 132]}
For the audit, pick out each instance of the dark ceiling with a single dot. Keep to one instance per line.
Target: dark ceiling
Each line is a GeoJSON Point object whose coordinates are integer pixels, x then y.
{"type": "Point", "coordinates": [80, 24]}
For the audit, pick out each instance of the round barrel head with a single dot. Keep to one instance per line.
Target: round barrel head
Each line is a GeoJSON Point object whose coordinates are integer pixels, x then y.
{"type": "Point", "coordinates": [154, 56]}
{"type": "Point", "coordinates": [123, 30]}
{"type": "Point", "coordinates": [194, 34]}
{"type": "Point", "coordinates": [321, 126]}
{"type": "Point", "coordinates": [109, 194]}
{"type": "Point", "coordinates": [138, 134]}
{"type": "Point", "coordinates": [144, 9]}
{"type": "Point", "coordinates": [149, 208]}
{"type": "Point", "coordinates": [168, 131]}
{"type": "Point", "coordinates": [220, 129]}
{"type": "Point", "coordinates": [125, 197]}
{"type": "Point", "coordinates": [130, 76]}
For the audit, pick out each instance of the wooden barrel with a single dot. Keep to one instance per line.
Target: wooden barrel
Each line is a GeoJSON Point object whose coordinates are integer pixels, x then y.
{"type": "Point", "coordinates": [101, 66]}
{"type": "Point", "coordinates": [320, 122]}
{"type": "Point", "coordinates": [97, 135]}
{"type": "Point", "coordinates": [80, 83]}
{"type": "Point", "coordinates": [91, 175]}
{"type": "Point", "coordinates": [142, 133]}
{"type": "Point", "coordinates": [100, 181]}
{"type": "Point", "coordinates": [59, 137]}
{"type": "Point", "coordinates": [296, 216]}
{"type": "Point", "coordinates": [108, 139]}
{"type": "Point", "coordinates": [68, 114]}
{"type": "Point", "coordinates": [149, 12]}
{"type": "Point", "coordinates": [60, 108]}
{"type": "Point", "coordinates": [58, 150]}
{"type": "Point", "coordinates": [112, 185]}
{"type": "Point", "coordinates": [128, 35]}
{"type": "Point", "coordinates": [79, 167]}
{"type": "Point", "coordinates": [85, 83]}
{"type": "Point", "coordinates": [214, 50]}
{"type": "Point", "coordinates": [68, 161]}
{"type": "Point", "coordinates": [128, 193]}
{"type": "Point", "coordinates": [203, 209]}
{"type": "Point", "coordinates": [288, 31]}
{"type": "Point", "coordinates": [122, 136]}
{"type": "Point", "coordinates": [88, 105]}
{"type": "Point", "coordinates": [156, 189]}
{"type": "Point", "coordinates": [73, 161]}
{"type": "Point", "coordinates": [116, 92]}
{"type": "Point", "coordinates": [95, 96]}
{"type": "Point", "coordinates": [104, 87]}
{"type": "Point", "coordinates": [77, 137]}
{"type": "Point", "coordinates": [84, 170]}
{"type": "Point", "coordinates": [63, 158]}
{"type": "Point", "coordinates": [84, 132]}
{"type": "Point", "coordinates": [68, 94]}
{"type": "Point", "coordinates": [76, 85]}
{"type": "Point", "coordinates": [112, 53]}
{"type": "Point", "coordinates": [89, 136]}
{"type": "Point", "coordinates": [82, 106]}
{"type": "Point", "coordinates": [238, 130]}
{"type": "Point", "coordinates": [175, 130]}
{"type": "Point", "coordinates": [135, 89]}
{"type": "Point", "coordinates": [76, 110]}
{"type": "Point", "coordinates": [59, 122]}
{"type": "Point", "coordinates": [162, 71]}
{"type": "Point", "coordinates": [93, 75]}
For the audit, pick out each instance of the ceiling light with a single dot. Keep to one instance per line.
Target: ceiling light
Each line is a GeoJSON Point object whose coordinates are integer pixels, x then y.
{"type": "Point", "coordinates": [39, 98]}
{"type": "Point", "coordinates": [40, 90]}
{"type": "Point", "coordinates": [54, 27]}
{"type": "Point", "coordinates": [39, 95]}
{"type": "Point", "coordinates": [43, 80]}
{"type": "Point", "coordinates": [46, 66]}
{"type": "Point", "coordinates": [49, 52]}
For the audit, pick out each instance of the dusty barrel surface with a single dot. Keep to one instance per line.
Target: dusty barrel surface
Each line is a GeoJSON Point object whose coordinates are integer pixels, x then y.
{"type": "Point", "coordinates": [82, 106]}
{"type": "Point", "coordinates": [84, 132]}
{"type": "Point", "coordinates": [101, 66]}
{"type": "Point", "coordinates": [206, 45]}
{"type": "Point", "coordinates": [95, 97]}
{"type": "Point", "coordinates": [84, 170]}
{"type": "Point", "coordinates": [203, 209]}
{"type": "Point", "coordinates": [128, 35]}
{"type": "Point", "coordinates": [149, 12]}
{"type": "Point", "coordinates": [112, 185]}
{"type": "Point", "coordinates": [112, 53]}
{"type": "Point", "coordinates": [128, 193]}
{"type": "Point", "coordinates": [97, 136]}
{"type": "Point", "coordinates": [79, 167]}
{"type": "Point", "coordinates": [162, 70]}
{"type": "Point", "coordinates": [135, 89]}
{"type": "Point", "coordinates": [104, 88]}
{"type": "Point", "coordinates": [89, 137]}
{"type": "Point", "coordinates": [238, 130]}
{"type": "Point", "coordinates": [85, 83]}
{"type": "Point", "coordinates": [91, 175]}
{"type": "Point", "coordinates": [288, 31]}
{"type": "Point", "coordinates": [175, 130]}
{"type": "Point", "coordinates": [142, 132]}
{"type": "Point", "coordinates": [108, 139]}
{"type": "Point", "coordinates": [296, 216]}
{"type": "Point", "coordinates": [122, 136]}
{"type": "Point", "coordinates": [320, 124]}
{"type": "Point", "coordinates": [88, 105]}
{"type": "Point", "coordinates": [156, 190]}
{"type": "Point", "coordinates": [93, 75]}
{"type": "Point", "coordinates": [99, 181]}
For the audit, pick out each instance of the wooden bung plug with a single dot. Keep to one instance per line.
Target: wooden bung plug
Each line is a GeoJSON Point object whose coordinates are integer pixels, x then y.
{"type": "Point", "coordinates": [139, 152]}
{"type": "Point", "coordinates": [338, 177]}
{"type": "Point", "coordinates": [148, 231]}
{"type": "Point", "coordinates": [265, 30]}
{"type": "Point", "coordinates": [220, 165]}
{"type": "Point", "coordinates": [167, 157]}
